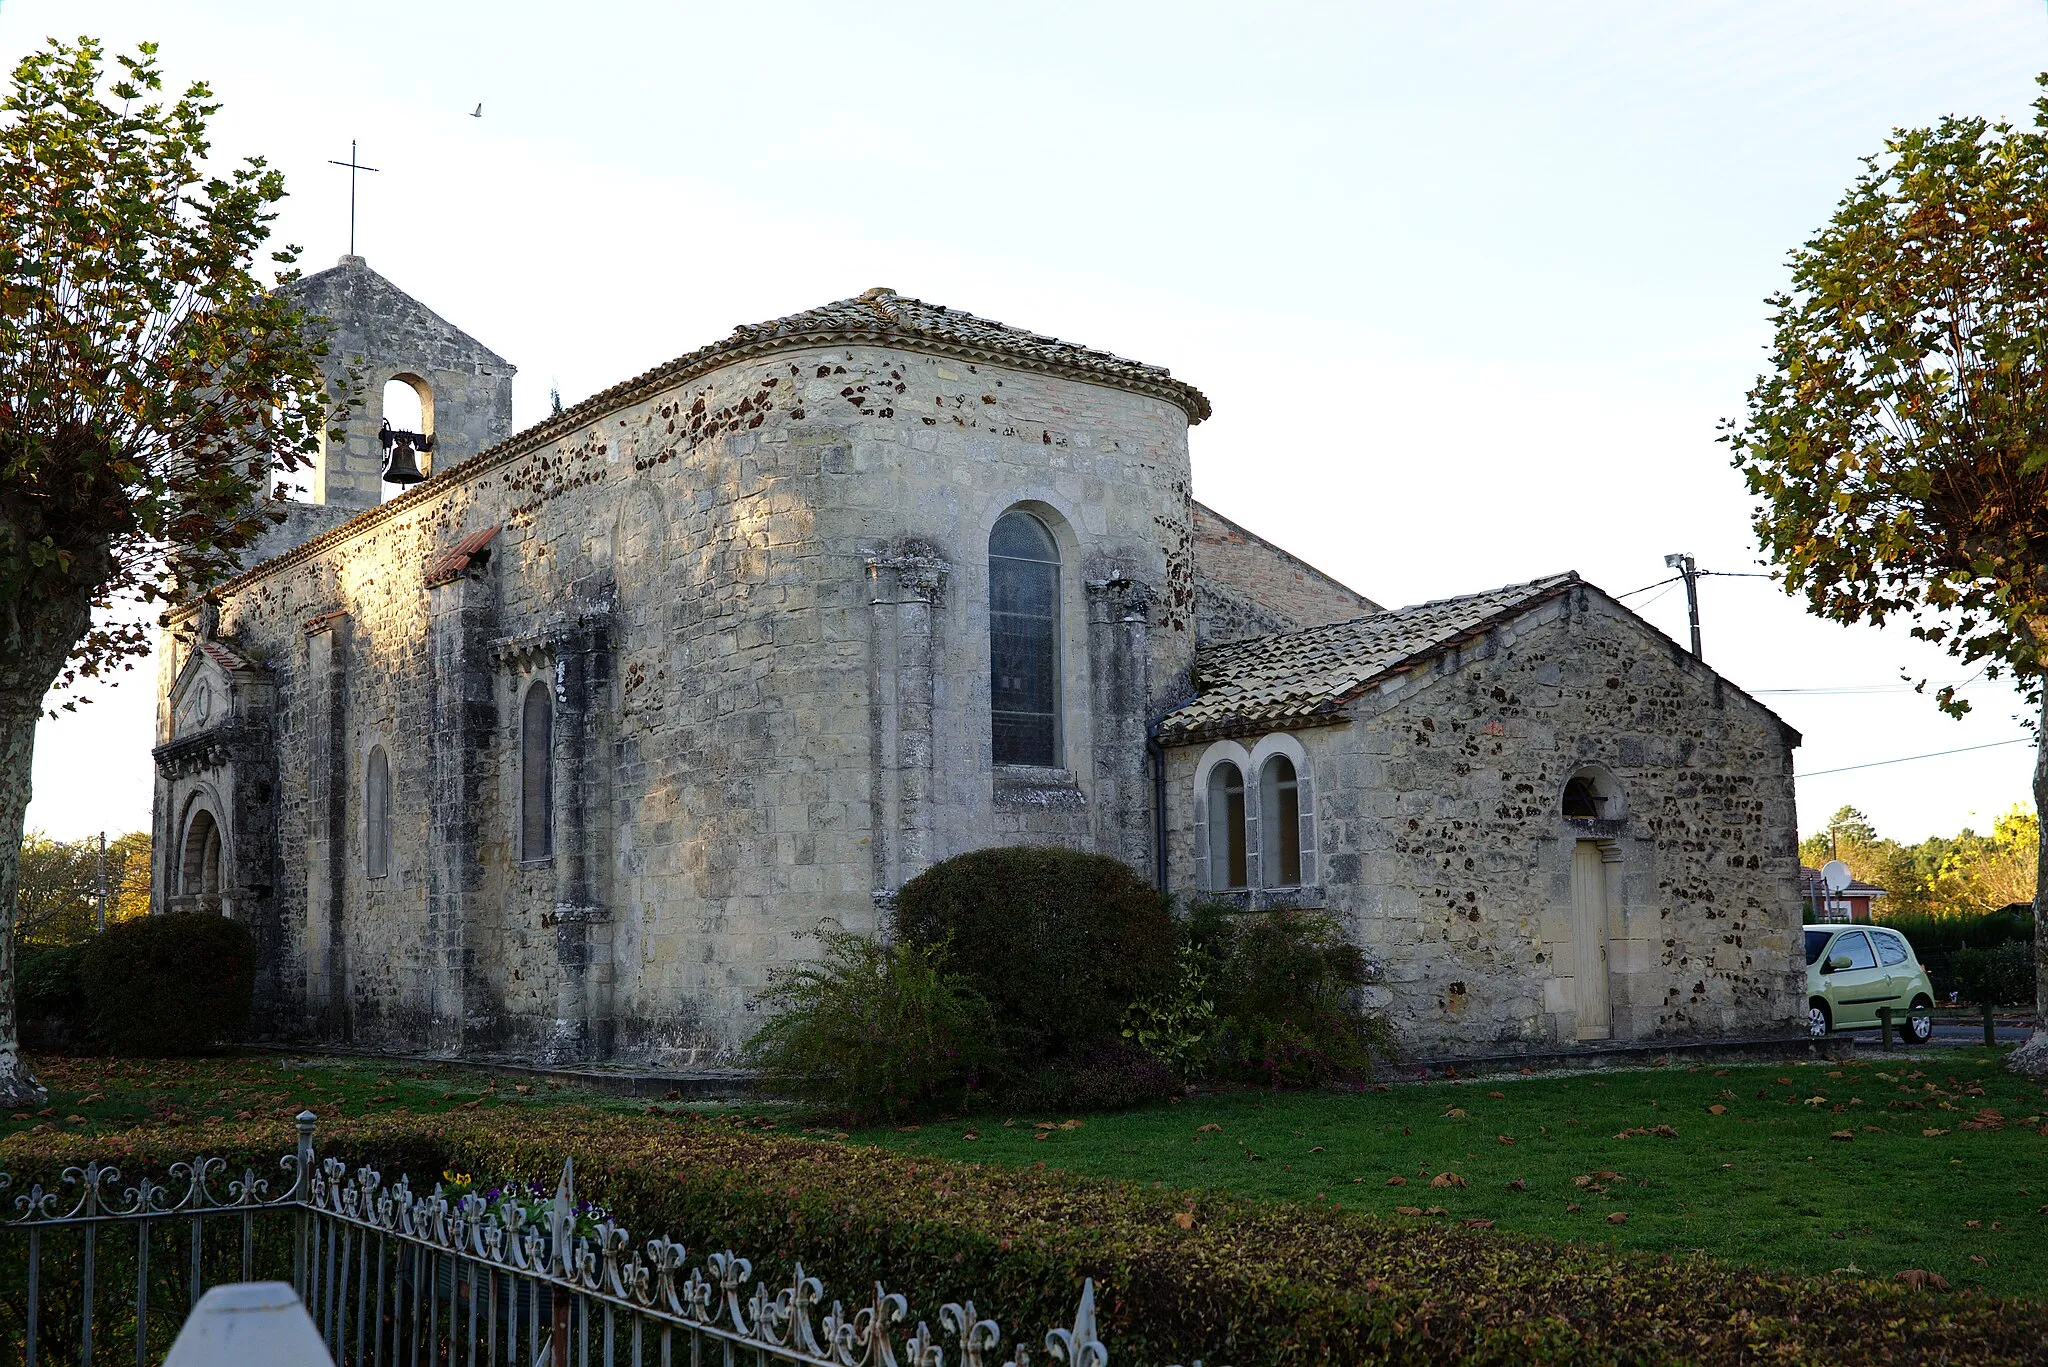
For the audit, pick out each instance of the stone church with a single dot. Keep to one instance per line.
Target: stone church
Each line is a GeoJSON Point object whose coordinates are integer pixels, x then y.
{"type": "Point", "coordinates": [557, 753]}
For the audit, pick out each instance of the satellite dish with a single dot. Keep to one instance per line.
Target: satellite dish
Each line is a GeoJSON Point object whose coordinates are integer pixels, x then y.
{"type": "Point", "coordinates": [1836, 875]}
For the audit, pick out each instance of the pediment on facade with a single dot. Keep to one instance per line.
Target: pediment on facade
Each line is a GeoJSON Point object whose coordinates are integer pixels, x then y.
{"type": "Point", "coordinates": [205, 694]}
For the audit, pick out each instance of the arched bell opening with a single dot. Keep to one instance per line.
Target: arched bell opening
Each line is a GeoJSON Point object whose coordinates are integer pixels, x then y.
{"type": "Point", "coordinates": [406, 433]}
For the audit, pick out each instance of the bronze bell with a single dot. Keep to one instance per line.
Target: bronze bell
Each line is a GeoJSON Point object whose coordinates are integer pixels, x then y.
{"type": "Point", "coordinates": [401, 467]}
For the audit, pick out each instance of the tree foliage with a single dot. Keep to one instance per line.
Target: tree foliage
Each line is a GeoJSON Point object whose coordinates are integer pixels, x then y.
{"type": "Point", "coordinates": [56, 900]}
{"type": "Point", "coordinates": [1900, 438]}
{"type": "Point", "coordinates": [1942, 877]}
{"type": "Point", "coordinates": [149, 382]}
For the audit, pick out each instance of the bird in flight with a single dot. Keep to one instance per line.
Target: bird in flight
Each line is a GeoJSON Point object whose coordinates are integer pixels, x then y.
{"type": "Point", "coordinates": [477, 112]}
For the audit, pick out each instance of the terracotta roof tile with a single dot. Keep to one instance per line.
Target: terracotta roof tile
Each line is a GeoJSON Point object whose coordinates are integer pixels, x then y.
{"type": "Point", "coordinates": [452, 562]}
{"type": "Point", "coordinates": [1307, 677]}
{"type": "Point", "coordinates": [226, 658]}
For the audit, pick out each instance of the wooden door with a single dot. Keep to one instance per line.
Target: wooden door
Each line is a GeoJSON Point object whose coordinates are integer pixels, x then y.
{"type": "Point", "coordinates": [1589, 939]}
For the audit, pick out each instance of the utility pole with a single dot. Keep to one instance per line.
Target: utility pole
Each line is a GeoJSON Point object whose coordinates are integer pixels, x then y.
{"type": "Point", "coordinates": [99, 919]}
{"type": "Point", "coordinates": [1691, 573]}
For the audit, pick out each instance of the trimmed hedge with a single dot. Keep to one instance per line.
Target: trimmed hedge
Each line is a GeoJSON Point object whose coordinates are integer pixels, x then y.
{"type": "Point", "coordinates": [165, 985]}
{"type": "Point", "coordinates": [1058, 942]}
{"type": "Point", "coordinates": [1178, 1274]}
{"type": "Point", "coordinates": [49, 997]}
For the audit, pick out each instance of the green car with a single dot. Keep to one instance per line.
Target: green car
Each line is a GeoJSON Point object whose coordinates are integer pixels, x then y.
{"type": "Point", "coordinates": [1854, 971]}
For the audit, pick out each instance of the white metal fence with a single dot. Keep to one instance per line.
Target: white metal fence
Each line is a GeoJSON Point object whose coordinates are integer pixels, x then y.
{"type": "Point", "coordinates": [410, 1280]}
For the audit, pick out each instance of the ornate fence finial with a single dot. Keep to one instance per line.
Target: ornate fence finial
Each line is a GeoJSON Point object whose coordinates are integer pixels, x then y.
{"type": "Point", "coordinates": [562, 1225]}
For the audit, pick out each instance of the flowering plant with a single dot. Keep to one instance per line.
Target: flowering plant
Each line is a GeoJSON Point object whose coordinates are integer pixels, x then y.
{"type": "Point", "coordinates": [531, 1199]}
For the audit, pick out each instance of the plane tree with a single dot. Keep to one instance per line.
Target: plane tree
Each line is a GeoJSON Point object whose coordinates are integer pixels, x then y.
{"type": "Point", "coordinates": [150, 384]}
{"type": "Point", "coordinates": [1898, 442]}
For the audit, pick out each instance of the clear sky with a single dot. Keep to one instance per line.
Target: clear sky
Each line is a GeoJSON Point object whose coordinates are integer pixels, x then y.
{"type": "Point", "coordinates": [1469, 285]}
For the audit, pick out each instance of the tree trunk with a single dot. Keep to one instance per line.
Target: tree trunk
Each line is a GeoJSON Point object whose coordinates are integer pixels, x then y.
{"type": "Point", "coordinates": [17, 753]}
{"type": "Point", "coordinates": [36, 638]}
{"type": "Point", "coordinates": [2032, 1057]}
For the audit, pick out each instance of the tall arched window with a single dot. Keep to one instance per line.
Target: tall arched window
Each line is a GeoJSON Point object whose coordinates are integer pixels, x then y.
{"type": "Point", "coordinates": [1023, 638]}
{"type": "Point", "coordinates": [377, 814]}
{"type": "Point", "coordinates": [1227, 863]}
{"type": "Point", "coordinates": [537, 773]}
{"type": "Point", "coordinates": [1280, 823]}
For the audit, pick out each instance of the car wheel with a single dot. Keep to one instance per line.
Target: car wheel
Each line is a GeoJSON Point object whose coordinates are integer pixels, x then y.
{"type": "Point", "coordinates": [1818, 1022]}
{"type": "Point", "coordinates": [1918, 1026]}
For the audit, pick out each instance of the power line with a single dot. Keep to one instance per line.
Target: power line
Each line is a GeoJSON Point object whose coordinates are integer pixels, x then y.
{"type": "Point", "coordinates": [1647, 587]}
{"type": "Point", "coordinates": [1907, 759]}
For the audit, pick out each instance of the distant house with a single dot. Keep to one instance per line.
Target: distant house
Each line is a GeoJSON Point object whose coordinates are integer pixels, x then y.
{"type": "Point", "coordinates": [1850, 904]}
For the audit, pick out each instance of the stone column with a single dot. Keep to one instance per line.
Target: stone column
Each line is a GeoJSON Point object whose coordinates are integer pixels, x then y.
{"type": "Point", "coordinates": [905, 587]}
{"type": "Point", "coordinates": [1120, 655]}
{"type": "Point", "coordinates": [461, 718]}
{"type": "Point", "coordinates": [327, 652]}
{"type": "Point", "coordinates": [583, 677]}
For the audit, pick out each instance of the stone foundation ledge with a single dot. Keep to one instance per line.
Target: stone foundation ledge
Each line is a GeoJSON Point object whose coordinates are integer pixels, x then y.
{"type": "Point", "coordinates": [621, 1079]}
{"type": "Point", "coordinates": [1791, 1047]}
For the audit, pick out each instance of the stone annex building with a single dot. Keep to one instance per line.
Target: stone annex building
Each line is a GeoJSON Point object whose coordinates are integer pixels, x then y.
{"type": "Point", "coordinates": [555, 755]}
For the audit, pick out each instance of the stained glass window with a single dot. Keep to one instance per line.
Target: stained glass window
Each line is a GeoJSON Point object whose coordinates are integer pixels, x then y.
{"type": "Point", "coordinates": [1024, 632]}
{"type": "Point", "coordinates": [537, 774]}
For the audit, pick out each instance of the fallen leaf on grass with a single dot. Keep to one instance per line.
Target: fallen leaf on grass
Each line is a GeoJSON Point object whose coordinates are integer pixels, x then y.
{"type": "Point", "coordinates": [1208, 1129]}
{"type": "Point", "coordinates": [1447, 1179]}
{"type": "Point", "coordinates": [1436, 1210]}
{"type": "Point", "coordinates": [1571, 1207]}
{"type": "Point", "coordinates": [1402, 1182]}
{"type": "Point", "coordinates": [1504, 1139]}
{"type": "Point", "coordinates": [1317, 1149]}
{"type": "Point", "coordinates": [1454, 1114]}
{"type": "Point", "coordinates": [1498, 1096]}
{"type": "Point", "coordinates": [1041, 1134]}
{"type": "Point", "coordinates": [1407, 1210]}
{"type": "Point", "coordinates": [1980, 1260]}
{"type": "Point", "coordinates": [971, 1134]}
{"type": "Point", "coordinates": [1477, 1223]}
{"type": "Point", "coordinates": [1973, 1224]}
{"type": "Point", "coordinates": [1185, 1219]}
{"type": "Point", "coordinates": [1619, 1217]}
{"type": "Point", "coordinates": [1717, 1109]}
{"type": "Point", "coordinates": [1917, 1278]}
{"type": "Point", "coordinates": [1932, 1134]}
{"type": "Point", "coordinates": [1518, 1185]}
{"type": "Point", "coordinates": [1843, 1134]}
{"type": "Point", "coordinates": [522, 1088]}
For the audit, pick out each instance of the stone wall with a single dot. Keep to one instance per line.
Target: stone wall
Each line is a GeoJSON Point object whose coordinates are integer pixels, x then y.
{"type": "Point", "coordinates": [759, 601]}
{"type": "Point", "coordinates": [1441, 843]}
{"type": "Point", "coordinates": [1247, 586]}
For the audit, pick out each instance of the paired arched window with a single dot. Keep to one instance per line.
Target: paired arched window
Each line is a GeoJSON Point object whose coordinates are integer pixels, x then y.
{"type": "Point", "coordinates": [537, 773]}
{"type": "Point", "coordinates": [1023, 638]}
{"type": "Point", "coordinates": [1254, 825]}
{"type": "Point", "coordinates": [377, 813]}
{"type": "Point", "coordinates": [1280, 822]}
{"type": "Point", "coordinates": [1229, 850]}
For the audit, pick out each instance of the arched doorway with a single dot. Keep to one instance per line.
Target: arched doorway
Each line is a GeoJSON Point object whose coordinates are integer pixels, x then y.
{"type": "Point", "coordinates": [199, 863]}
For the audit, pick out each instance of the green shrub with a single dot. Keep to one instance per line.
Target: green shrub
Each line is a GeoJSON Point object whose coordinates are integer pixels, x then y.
{"type": "Point", "coordinates": [872, 1031]}
{"type": "Point", "coordinates": [1059, 943]}
{"type": "Point", "coordinates": [49, 997]}
{"type": "Point", "coordinates": [166, 985]}
{"type": "Point", "coordinates": [1272, 995]}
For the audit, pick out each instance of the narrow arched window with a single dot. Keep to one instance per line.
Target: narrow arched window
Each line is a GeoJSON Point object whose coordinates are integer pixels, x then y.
{"type": "Point", "coordinates": [377, 814]}
{"type": "Point", "coordinates": [1023, 637]}
{"type": "Point", "coordinates": [537, 774]}
{"type": "Point", "coordinates": [1280, 823]}
{"type": "Point", "coordinates": [1227, 863]}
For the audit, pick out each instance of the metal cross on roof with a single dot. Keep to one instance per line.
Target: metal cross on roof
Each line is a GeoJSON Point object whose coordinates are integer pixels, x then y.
{"type": "Point", "coordinates": [353, 166]}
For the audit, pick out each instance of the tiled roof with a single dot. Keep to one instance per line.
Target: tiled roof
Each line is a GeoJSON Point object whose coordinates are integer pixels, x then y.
{"type": "Point", "coordinates": [878, 317]}
{"type": "Point", "coordinates": [1303, 677]}
{"type": "Point", "coordinates": [226, 658]}
{"type": "Point", "coordinates": [1812, 885]}
{"type": "Point", "coordinates": [449, 566]}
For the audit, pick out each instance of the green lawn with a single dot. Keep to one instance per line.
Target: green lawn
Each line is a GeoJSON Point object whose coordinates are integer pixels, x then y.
{"type": "Point", "coordinates": [1765, 1181]}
